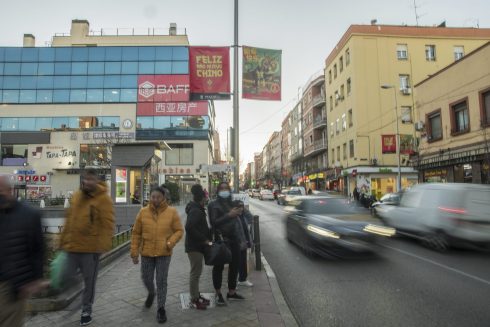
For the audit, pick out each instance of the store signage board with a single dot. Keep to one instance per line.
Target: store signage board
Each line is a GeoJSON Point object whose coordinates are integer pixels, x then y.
{"type": "Point", "coordinates": [163, 88]}
{"type": "Point", "coordinates": [197, 108]}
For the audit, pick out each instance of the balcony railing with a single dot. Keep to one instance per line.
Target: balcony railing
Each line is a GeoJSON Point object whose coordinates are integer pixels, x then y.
{"type": "Point", "coordinates": [320, 122]}
{"type": "Point", "coordinates": [318, 99]}
{"type": "Point", "coordinates": [320, 145]}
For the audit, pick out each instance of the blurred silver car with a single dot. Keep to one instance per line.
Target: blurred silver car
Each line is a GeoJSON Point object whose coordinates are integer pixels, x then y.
{"type": "Point", "coordinates": [443, 215]}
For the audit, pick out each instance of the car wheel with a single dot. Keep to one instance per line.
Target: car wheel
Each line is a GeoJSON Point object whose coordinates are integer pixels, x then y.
{"type": "Point", "coordinates": [437, 241]}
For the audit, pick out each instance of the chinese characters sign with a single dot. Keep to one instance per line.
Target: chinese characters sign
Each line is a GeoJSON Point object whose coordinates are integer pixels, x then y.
{"type": "Point", "coordinates": [388, 143]}
{"type": "Point", "coordinates": [261, 74]}
{"type": "Point", "coordinates": [198, 108]}
{"type": "Point", "coordinates": [209, 69]}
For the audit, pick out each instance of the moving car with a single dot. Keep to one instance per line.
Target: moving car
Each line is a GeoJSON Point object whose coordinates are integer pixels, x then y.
{"type": "Point", "coordinates": [330, 227]}
{"type": "Point", "coordinates": [266, 195]}
{"type": "Point", "coordinates": [276, 192]}
{"type": "Point", "coordinates": [256, 194]}
{"type": "Point", "coordinates": [443, 215]}
{"type": "Point", "coordinates": [250, 193]}
{"type": "Point", "coordinates": [387, 199]}
{"type": "Point", "coordinates": [287, 195]}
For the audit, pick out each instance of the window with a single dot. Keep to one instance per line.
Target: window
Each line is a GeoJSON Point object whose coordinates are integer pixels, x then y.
{"type": "Point", "coordinates": [14, 155]}
{"type": "Point", "coordinates": [330, 76]}
{"type": "Point", "coordinates": [342, 93]}
{"type": "Point", "coordinates": [459, 117]}
{"type": "Point", "coordinates": [347, 57]}
{"type": "Point", "coordinates": [341, 64]}
{"type": "Point", "coordinates": [458, 52]}
{"type": "Point", "coordinates": [349, 86]}
{"type": "Point", "coordinates": [406, 115]}
{"type": "Point", "coordinates": [344, 123]}
{"type": "Point", "coordinates": [338, 153]}
{"type": "Point", "coordinates": [332, 129]}
{"type": "Point", "coordinates": [344, 148]}
{"type": "Point", "coordinates": [337, 126]}
{"type": "Point", "coordinates": [401, 52]}
{"type": "Point", "coordinates": [434, 126]}
{"type": "Point", "coordinates": [349, 117]}
{"type": "Point", "coordinates": [336, 98]}
{"type": "Point", "coordinates": [404, 82]}
{"type": "Point", "coordinates": [335, 71]}
{"type": "Point", "coordinates": [94, 154]}
{"type": "Point", "coordinates": [331, 103]}
{"type": "Point", "coordinates": [181, 154]}
{"type": "Point", "coordinates": [430, 52]}
{"type": "Point", "coordinates": [144, 122]}
{"type": "Point", "coordinates": [351, 149]}
{"type": "Point", "coordinates": [485, 107]}
{"type": "Point", "coordinates": [333, 155]}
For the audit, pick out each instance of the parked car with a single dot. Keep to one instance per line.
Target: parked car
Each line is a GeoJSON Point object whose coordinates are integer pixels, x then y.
{"type": "Point", "coordinates": [287, 195]}
{"type": "Point", "coordinates": [443, 215]}
{"type": "Point", "coordinates": [250, 193]}
{"type": "Point", "coordinates": [387, 199]}
{"type": "Point", "coordinates": [256, 194]}
{"type": "Point", "coordinates": [328, 226]}
{"type": "Point", "coordinates": [266, 195]}
{"type": "Point", "coordinates": [276, 192]}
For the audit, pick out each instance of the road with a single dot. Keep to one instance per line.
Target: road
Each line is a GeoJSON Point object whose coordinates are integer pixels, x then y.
{"type": "Point", "coordinates": [406, 285]}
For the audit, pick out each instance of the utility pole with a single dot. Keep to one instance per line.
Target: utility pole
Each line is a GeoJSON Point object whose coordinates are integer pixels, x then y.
{"type": "Point", "coordinates": [236, 117]}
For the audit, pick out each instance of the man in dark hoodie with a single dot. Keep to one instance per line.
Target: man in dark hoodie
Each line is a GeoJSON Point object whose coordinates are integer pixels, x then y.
{"type": "Point", "coordinates": [197, 238]}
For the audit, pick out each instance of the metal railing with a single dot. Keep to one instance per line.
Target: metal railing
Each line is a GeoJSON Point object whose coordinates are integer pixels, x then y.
{"type": "Point", "coordinates": [320, 121]}
{"type": "Point", "coordinates": [317, 99]}
{"type": "Point", "coordinates": [319, 145]}
{"type": "Point", "coordinates": [121, 238]}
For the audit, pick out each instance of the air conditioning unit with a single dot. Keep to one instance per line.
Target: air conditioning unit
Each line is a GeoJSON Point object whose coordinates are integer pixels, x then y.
{"type": "Point", "coordinates": [419, 126]}
{"type": "Point", "coordinates": [374, 161]}
{"type": "Point", "coordinates": [407, 91]}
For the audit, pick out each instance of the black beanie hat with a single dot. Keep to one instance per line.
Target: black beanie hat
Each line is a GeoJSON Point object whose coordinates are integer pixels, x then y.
{"type": "Point", "coordinates": [198, 192]}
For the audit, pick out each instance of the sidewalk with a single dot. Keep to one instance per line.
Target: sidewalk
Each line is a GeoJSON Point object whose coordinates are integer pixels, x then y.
{"type": "Point", "coordinates": [121, 294]}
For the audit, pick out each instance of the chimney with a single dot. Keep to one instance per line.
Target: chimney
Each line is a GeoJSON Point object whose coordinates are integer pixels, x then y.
{"type": "Point", "coordinates": [29, 41]}
{"type": "Point", "coordinates": [79, 28]}
{"type": "Point", "coordinates": [173, 29]}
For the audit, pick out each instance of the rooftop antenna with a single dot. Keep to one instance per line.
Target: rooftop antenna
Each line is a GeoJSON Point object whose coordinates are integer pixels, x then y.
{"type": "Point", "coordinates": [415, 7]}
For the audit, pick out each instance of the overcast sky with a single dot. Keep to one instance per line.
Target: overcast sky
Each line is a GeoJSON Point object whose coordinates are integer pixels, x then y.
{"type": "Point", "coordinates": [305, 30]}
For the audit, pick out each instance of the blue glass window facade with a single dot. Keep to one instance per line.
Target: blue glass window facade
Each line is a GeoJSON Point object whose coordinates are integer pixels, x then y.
{"type": "Point", "coordinates": [83, 74]}
{"type": "Point", "coordinates": [35, 124]}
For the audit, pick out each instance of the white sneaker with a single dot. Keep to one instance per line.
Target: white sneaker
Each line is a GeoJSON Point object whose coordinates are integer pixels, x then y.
{"type": "Point", "coordinates": [245, 283]}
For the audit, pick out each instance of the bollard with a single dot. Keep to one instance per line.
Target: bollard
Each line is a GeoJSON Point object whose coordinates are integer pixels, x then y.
{"type": "Point", "coordinates": [258, 261]}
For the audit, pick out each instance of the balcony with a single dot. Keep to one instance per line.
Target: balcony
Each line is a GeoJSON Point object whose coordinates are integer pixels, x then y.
{"type": "Point", "coordinates": [320, 122]}
{"type": "Point", "coordinates": [318, 100]}
{"type": "Point", "coordinates": [317, 147]}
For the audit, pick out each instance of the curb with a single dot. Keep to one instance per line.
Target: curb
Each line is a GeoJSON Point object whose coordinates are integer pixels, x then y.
{"type": "Point", "coordinates": [64, 299]}
{"type": "Point", "coordinates": [286, 314]}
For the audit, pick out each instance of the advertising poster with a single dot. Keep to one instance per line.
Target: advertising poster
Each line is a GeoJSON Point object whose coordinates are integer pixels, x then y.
{"type": "Point", "coordinates": [261, 74]}
{"type": "Point", "coordinates": [209, 70]}
{"type": "Point", "coordinates": [121, 185]}
{"type": "Point", "coordinates": [388, 143]}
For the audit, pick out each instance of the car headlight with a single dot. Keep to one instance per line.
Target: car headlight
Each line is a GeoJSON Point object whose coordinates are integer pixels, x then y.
{"type": "Point", "coordinates": [322, 231]}
{"type": "Point", "coordinates": [380, 230]}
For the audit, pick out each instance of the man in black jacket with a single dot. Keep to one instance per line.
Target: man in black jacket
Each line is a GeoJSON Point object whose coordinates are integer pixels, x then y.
{"type": "Point", "coordinates": [21, 255]}
{"type": "Point", "coordinates": [197, 238]}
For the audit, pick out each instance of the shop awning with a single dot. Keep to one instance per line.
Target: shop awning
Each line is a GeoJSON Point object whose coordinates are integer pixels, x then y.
{"type": "Point", "coordinates": [135, 154]}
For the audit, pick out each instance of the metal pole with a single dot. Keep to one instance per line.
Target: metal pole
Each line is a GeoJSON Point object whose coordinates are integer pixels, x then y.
{"type": "Point", "coordinates": [258, 260]}
{"type": "Point", "coordinates": [236, 118]}
{"type": "Point", "coordinates": [399, 177]}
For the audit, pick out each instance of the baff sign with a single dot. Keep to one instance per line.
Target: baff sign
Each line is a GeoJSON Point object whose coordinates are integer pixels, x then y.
{"type": "Point", "coordinates": [209, 70]}
{"type": "Point", "coordinates": [163, 88]}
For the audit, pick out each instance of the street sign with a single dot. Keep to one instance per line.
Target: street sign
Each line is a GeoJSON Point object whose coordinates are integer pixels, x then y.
{"type": "Point", "coordinates": [220, 168]}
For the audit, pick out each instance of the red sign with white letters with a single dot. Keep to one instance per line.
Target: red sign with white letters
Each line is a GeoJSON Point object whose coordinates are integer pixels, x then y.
{"type": "Point", "coordinates": [163, 88]}
{"type": "Point", "coordinates": [198, 108]}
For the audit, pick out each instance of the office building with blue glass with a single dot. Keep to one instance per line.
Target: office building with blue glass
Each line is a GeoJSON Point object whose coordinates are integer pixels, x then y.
{"type": "Point", "coordinates": [64, 107]}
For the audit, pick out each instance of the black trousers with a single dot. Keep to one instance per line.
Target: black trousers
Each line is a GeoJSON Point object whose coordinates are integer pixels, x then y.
{"type": "Point", "coordinates": [232, 269]}
{"type": "Point", "coordinates": [243, 267]}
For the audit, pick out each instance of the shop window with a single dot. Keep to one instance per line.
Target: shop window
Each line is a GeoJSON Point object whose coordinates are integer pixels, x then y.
{"type": "Point", "coordinates": [401, 52]}
{"type": "Point", "coordinates": [14, 154]}
{"type": "Point", "coordinates": [94, 155]}
{"type": "Point", "coordinates": [351, 148]}
{"type": "Point", "coordinates": [162, 122]}
{"type": "Point", "coordinates": [181, 154]}
{"type": "Point", "coordinates": [485, 107]}
{"type": "Point", "coordinates": [430, 52]}
{"type": "Point", "coordinates": [459, 117]}
{"type": "Point", "coordinates": [434, 126]}
{"type": "Point", "coordinates": [406, 114]}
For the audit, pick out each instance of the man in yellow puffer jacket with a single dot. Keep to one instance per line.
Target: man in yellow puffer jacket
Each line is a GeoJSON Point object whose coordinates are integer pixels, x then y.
{"type": "Point", "coordinates": [87, 233]}
{"type": "Point", "coordinates": [156, 231]}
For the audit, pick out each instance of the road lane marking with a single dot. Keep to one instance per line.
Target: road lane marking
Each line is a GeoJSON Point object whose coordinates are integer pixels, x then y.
{"type": "Point", "coordinates": [457, 271]}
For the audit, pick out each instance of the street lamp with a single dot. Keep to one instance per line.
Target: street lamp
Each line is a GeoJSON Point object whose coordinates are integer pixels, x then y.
{"type": "Point", "coordinates": [399, 178]}
{"type": "Point", "coordinates": [25, 164]}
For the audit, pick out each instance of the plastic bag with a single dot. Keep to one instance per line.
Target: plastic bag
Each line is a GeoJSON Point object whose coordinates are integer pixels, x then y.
{"type": "Point", "coordinates": [57, 267]}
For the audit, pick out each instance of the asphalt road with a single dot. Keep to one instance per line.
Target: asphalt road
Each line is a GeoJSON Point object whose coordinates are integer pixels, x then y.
{"type": "Point", "coordinates": [405, 285]}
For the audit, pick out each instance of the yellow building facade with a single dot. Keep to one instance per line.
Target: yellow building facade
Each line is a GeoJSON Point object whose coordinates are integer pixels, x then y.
{"type": "Point", "coordinates": [361, 115]}
{"type": "Point", "coordinates": [454, 106]}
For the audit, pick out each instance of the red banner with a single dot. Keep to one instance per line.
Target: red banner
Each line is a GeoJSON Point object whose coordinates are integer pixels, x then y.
{"type": "Point", "coordinates": [388, 143]}
{"type": "Point", "coordinates": [163, 88]}
{"type": "Point", "coordinates": [209, 70]}
{"type": "Point", "coordinates": [198, 108]}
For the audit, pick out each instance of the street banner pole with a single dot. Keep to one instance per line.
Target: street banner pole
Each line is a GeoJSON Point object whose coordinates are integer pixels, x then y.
{"type": "Point", "coordinates": [236, 119]}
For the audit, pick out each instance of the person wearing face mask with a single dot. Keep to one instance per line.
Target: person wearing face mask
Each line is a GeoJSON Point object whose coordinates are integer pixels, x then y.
{"type": "Point", "coordinates": [156, 231]}
{"type": "Point", "coordinates": [224, 218]}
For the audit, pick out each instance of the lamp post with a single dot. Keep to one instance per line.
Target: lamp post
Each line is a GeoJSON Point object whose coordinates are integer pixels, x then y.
{"type": "Point", "coordinates": [399, 178]}
{"type": "Point", "coordinates": [25, 164]}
